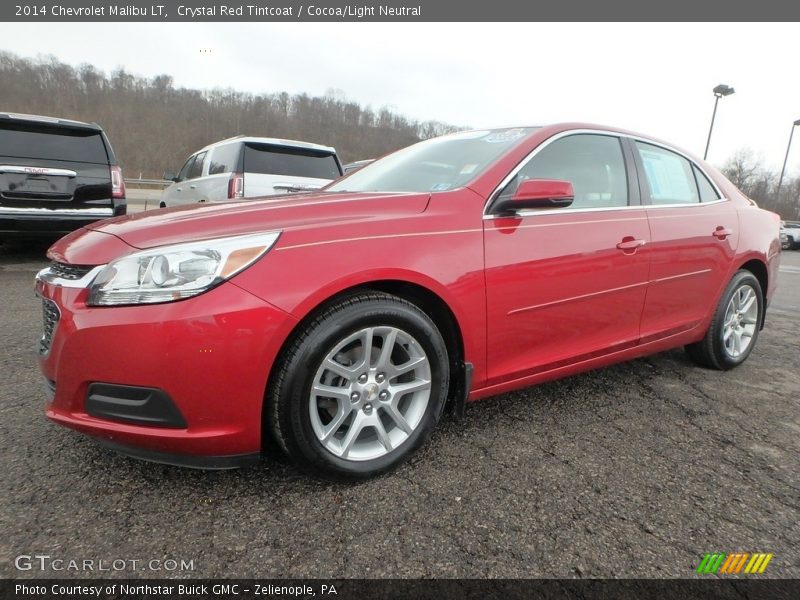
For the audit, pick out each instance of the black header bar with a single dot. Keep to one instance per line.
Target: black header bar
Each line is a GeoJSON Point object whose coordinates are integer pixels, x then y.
{"type": "Point", "coordinates": [398, 11]}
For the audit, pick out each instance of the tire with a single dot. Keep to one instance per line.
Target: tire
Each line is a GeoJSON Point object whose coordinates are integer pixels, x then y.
{"type": "Point", "coordinates": [371, 417]}
{"type": "Point", "coordinates": [733, 332]}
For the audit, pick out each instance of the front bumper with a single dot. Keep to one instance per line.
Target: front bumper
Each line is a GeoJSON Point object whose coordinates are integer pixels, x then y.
{"type": "Point", "coordinates": [211, 355]}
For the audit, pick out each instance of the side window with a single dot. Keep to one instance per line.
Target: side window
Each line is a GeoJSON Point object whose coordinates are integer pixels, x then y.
{"type": "Point", "coordinates": [224, 159]}
{"type": "Point", "coordinates": [593, 163]}
{"type": "Point", "coordinates": [669, 176]}
{"type": "Point", "coordinates": [184, 172]}
{"type": "Point", "coordinates": [197, 166]}
{"type": "Point", "coordinates": [707, 191]}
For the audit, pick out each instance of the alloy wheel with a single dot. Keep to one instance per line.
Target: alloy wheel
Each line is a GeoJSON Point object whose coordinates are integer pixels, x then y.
{"type": "Point", "coordinates": [370, 393]}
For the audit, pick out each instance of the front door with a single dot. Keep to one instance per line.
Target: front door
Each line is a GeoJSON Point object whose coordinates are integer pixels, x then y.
{"type": "Point", "coordinates": [567, 284]}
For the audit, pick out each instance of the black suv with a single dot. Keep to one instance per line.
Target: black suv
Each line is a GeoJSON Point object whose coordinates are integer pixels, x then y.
{"type": "Point", "coordinates": [56, 176]}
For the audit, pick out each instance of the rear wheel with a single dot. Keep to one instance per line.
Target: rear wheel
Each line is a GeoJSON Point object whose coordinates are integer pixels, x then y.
{"type": "Point", "coordinates": [734, 329]}
{"type": "Point", "coordinates": [360, 388]}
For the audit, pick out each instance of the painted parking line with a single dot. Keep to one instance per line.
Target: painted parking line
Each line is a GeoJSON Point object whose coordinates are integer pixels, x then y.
{"type": "Point", "coordinates": [789, 269]}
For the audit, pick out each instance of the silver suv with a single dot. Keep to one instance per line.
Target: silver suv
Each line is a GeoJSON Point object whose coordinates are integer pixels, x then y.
{"type": "Point", "coordinates": [249, 167]}
{"type": "Point", "coordinates": [790, 235]}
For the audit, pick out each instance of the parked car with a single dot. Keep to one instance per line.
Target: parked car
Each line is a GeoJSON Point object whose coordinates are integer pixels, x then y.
{"type": "Point", "coordinates": [355, 166]}
{"type": "Point", "coordinates": [339, 324]}
{"type": "Point", "coordinates": [790, 235]}
{"type": "Point", "coordinates": [248, 167]}
{"type": "Point", "coordinates": [56, 175]}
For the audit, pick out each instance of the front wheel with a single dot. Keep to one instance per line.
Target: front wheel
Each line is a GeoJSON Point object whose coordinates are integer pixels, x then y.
{"type": "Point", "coordinates": [360, 388]}
{"type": "Point", "coordinates": [734, 329]}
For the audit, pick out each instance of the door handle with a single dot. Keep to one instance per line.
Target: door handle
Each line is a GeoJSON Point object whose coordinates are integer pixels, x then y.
{"type": "Point", "coordinates": [630, 243]}
{"type": "Point", "coordinates": [192, 187]}
{"type": "Point", "coordinates": [722, 232]}
{"type": "Point", "coordinates": [178, 189]}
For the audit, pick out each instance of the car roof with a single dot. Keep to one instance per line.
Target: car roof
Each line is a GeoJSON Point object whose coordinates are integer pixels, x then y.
{"type": "Point", "coordinates": [272, 142]}
{"type": "Point", "coordinates": [44, 120]}
{"type": "Point", "coordinates": [562, 127]}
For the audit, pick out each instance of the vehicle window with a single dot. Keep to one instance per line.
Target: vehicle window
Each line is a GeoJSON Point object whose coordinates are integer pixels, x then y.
{"type": "Point", "coordinates": [291, 162]}
{"type": "Point", "coordinates": [184, 172]}
{"type": "Point", "coordinates": [707, 191]}
{"type": "Point", "coordinates": [224, 159]}
{"type": "Point", "coordinates": [593, 163]}
{"type": "Point", "coordinates": [435, 165]}
{"type": "Point", "coordinates": [196, 169]}
{"type": "Point", "coordinates": [53, 144]}
{"type": "Point", "coordinates": [668, 175]}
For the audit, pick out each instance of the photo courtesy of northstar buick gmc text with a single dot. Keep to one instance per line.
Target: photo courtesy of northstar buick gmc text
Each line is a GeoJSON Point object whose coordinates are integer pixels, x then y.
{"type": "Point", "coordinates": [340, 325]}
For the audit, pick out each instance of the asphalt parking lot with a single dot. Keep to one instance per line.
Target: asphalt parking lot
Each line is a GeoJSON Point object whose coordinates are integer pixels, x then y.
{"type": "Point", "coordinates": [631, 471]}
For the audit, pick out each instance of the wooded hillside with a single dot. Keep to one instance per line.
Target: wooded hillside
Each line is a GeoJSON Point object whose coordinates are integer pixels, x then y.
{"type": "Point", "coordinates": [154, 126]}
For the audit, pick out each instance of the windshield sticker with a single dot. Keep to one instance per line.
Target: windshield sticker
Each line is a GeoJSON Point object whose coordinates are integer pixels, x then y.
{"type": "Point", "coordinates": [509, 135]}
{"type": "Point", "coordinates": [440, 187]}
{"type": "Point", "coordinates": [468, 169]}
{"type": "Point", "coordinates": [467, 135]}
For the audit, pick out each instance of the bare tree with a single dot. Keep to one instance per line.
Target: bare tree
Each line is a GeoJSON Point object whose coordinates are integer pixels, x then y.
{"type": "Point", "coordinates": [153, 125]}
{"type": "Point", "coordinates": [747, 172]}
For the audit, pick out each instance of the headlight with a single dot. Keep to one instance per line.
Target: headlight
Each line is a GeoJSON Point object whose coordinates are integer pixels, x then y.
{"type": "Point", "coordinates": [176, 272]}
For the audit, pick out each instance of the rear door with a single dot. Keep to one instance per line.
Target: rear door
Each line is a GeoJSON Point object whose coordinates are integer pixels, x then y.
{"type": "Point", "coordinates": [271, 169]}
{"type": "Point", "coordinates": [694, 237]}
{"type": "Point", "coordinates": [43, 165]}
{"type": "Point", "coordinates": [193, 187]}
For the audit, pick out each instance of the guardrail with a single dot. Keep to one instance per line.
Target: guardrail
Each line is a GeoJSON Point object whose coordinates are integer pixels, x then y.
{"type": "Point", "coordinates": [146, 182]}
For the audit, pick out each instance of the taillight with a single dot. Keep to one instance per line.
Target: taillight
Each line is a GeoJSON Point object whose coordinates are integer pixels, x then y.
{"type": "Point", "coordinates": [117, 183]}
{"type": "Point", "coordinates": [236, 185]}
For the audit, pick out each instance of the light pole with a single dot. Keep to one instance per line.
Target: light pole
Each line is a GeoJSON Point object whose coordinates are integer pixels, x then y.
{"type": "Point", "coordinates": [786, 158]}
{"type": "Point", "coordinates": [719, 91]}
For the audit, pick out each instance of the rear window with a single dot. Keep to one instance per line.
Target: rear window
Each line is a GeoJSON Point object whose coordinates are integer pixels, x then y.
{"type": "Point", "coordinates": [291, 162]}
{"type": "Point", "coordinates": [53, 144]}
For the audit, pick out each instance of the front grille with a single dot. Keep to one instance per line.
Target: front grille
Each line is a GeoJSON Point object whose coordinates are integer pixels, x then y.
{"type": "Point", "coordinates": [50, 317]}
{"type": "Point", "coordinates": [65, 271]}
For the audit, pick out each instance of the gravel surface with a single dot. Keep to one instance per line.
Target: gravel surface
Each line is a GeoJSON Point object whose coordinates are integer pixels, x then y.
{"type": "Point", "coordinates": [631, 471]}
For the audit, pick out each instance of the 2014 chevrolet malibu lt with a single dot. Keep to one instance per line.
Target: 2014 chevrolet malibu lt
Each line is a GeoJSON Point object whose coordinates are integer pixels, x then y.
{"type": "Point", "coordinates": [340, 324]}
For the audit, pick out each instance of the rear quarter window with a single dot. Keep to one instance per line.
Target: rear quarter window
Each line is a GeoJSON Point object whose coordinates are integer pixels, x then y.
{"type": "Point", "coordinates": [291, 162]}
{"type": "Point", "coordinates": [224, 159]}
{"type": "Point", "coordinates": [53, 144]}
{"type": "Point", "coordinates": [707, 191]}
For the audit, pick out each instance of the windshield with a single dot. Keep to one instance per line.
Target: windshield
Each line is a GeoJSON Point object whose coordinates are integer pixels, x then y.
{"type": "Point", "coordinates": [436, 165]}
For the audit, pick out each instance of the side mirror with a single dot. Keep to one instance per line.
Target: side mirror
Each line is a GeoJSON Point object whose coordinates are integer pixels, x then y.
{"type": "Point", "coordinates": [538, 193]}
{"type": "Point", "coordinates": [169, 176]}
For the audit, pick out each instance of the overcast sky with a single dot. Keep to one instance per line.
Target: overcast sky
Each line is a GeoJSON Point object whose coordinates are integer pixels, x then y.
{"type": "Point", "coordinates": [652, 78]}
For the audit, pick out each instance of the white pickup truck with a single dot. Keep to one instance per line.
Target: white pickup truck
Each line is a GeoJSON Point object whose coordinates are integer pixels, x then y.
{"type": "Point", "coordinates": [790, 235]}
{"type": "Point", "coordinates": [249, 167]}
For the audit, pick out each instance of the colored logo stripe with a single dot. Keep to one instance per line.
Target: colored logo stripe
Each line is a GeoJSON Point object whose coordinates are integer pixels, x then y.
{"type": "Point", "coordinates": [734, 562]}
{"type": "Point", "coordinates": [711, 562]}
{"type": "Point", "coordinates": [720, 562]}
{"type": "Point", "coordinates": [758, 563]}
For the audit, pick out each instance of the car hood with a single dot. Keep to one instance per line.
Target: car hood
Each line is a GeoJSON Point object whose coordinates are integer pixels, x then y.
{"type": "Point", "coordinates": [206, 221]}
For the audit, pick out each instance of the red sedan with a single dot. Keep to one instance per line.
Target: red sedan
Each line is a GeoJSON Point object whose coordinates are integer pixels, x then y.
{"type": "Point", "coordinates": [342, 323]}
